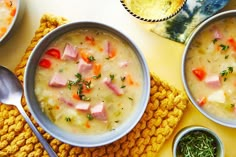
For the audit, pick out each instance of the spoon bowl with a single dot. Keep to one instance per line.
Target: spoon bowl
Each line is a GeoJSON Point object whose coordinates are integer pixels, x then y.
{"type": "Point", "coordinates": [10, 94]}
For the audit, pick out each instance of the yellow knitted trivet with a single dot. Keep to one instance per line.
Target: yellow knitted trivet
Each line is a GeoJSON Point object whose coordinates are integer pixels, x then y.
{"type": "Point", "coordinates": [163, 112]}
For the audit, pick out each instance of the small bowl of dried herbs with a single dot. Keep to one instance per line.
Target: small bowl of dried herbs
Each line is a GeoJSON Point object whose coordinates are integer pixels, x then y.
{"type": "Point", "coordinates": [197, 141]}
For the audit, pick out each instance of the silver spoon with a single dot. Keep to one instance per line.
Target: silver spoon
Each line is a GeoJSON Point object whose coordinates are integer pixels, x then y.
{"type": "Point", "coordinates": [11, 94]}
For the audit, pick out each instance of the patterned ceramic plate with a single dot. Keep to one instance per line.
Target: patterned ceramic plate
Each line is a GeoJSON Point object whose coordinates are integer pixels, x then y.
{"type": "Point", "coordinates": [179, 27]}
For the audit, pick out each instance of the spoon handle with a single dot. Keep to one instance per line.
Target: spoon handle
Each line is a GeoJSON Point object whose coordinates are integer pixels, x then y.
{"type": "Point", "coordinates": [45, 144]}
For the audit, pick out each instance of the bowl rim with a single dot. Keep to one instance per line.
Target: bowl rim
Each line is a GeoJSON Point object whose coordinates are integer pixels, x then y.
{"type": "Point", "coordinates": [106, 138]}
{"type": "Point", "coordinates": [184, 131]}
{"type": "Point", "coordinates": [207, 22]}
{"type": "Point", "coordinates": [152, 19]}
{"type": "Point", "coordinates": [20, 5]}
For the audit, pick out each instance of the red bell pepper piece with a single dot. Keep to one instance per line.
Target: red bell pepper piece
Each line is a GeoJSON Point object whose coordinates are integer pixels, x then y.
{"type": "Point", "coordinates": [54, 53]}
{"type": "Point", "coordinates": [45, 63]}
{"type": "Point", "coordinates": [232, 43]}
{"type": "Point", "coordinates": [200, 73]}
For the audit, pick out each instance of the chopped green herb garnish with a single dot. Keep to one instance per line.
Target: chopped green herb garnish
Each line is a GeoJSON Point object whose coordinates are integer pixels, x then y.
{"type": "Point", "coordinates": [68, 119]}
{"type": "Point", "coordinates": [123, 86]}
{"type": "Point", "coordinates": [112, 76]}
{"type": "Point", "coordinates": [91, 58]}
{"type": "Point", "coordinates": [97, 77]}
{"type": "Point", "coordinates": [224, 47]}
{"type": "Point", "coordinates": [130, 98]}
{"type": "Point", "coordinates": [78, 76]}
{"type": "Point", "coordinates": [70, 84]}
{"type": "Point", "coordinates": [87, 84]}
{"type": "Point", "coordinates": [89, 116]}
{"type": "Point", "coordinates": [230, 69]}
{"type": "Point", "coordinates": [232, 105]}
{"type": "Point", "coordinates": [123, 78]}
{"type": "Point", "coordinates": [80, 88]}
{"type": "Point", "coordinates": [214, 41]}
{"type": "Point", "coordinates": [226, 72]}
{"type": "Point", "coordinates": [117, 121]}
{"type": "Point", "coordinates": [225, 79]}
{"type": "Point", "coordinates": [197, 143]}
{"type": "Point", "coordinates": [81, 84]}
{"type": "Point", "coordinates": [60, 70]}
{"type": "Point", "coordinates": [227, 56]}
{"type": "Point", "coordinates": [84, 98]}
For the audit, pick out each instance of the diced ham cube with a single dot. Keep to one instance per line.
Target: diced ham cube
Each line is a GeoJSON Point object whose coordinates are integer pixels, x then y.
{"type": "Point", "coordinates": [213, 81]}
{"type": "Point", "coordinates": [218, 96]}
{"type": "Point", "coordinates": [67, 102]}
{"type": "Point", "coordinates": [109, 49]}
{"type": "Point", "coordinates": [70, 52]}
{"type": "Point", "coordinates": [84, 67]}
{"type": "Point", "coordinates": [217, 34]}
{"type": "Point", "coordinates": [83, 106]}
{"type": "Point", "coordinates": [107, 46]}
{"type": "Point", "coordinates": [57, 81]}
{"type": "Point", "coordinates": [99, 112]}
{"type": "Point", "coordinates": [123, 64]}
{"type": "Point", "coordinates": [118, 91]}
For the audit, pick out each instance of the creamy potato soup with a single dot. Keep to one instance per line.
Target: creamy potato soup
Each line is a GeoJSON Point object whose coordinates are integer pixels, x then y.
{"type": "Point", "coordinates": [7, 14]}
{"type": "Point", "coordinates": [211, 68]}
{"type": "Point", "coordinates": [88, 81]}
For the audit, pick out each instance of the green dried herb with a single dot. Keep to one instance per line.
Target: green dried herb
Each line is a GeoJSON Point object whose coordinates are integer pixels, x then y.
{"type": "Point", "coordinates": [214, 40]}
{"type": "Point", "coordinates": [123, 78]}
{"type": "Point", "coordinates": [112, 77]}
{"type": "Point", "coordinates": [68, 119]}
{"type": "Point", "coordinates": [89, 116]}
{"type": "Point", "coordinates": [97, 77]}
{"type": "Point", "coordinates": [91, 58]}
{"type": "Point", "coordinates": [79, 83]}
{"type": "Point", "coordinates": [225, 73]}
{"type": "Point", "coordinates": [197, 144]}
{"type": "Point", "coordinates": [130, 98]}
{"type": "Point", "coordinates": [224, 47]}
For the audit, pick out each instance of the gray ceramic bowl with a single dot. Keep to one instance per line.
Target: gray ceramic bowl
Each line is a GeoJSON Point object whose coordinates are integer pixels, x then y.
{"type": "Point", "coordinates": [47, 125]}
{"type": "Point", "coordinates": [187, 130]}
{"type": "Point", "coordinates": [215, 118]}
{"type": "Point", "coordinates": [20, 7]}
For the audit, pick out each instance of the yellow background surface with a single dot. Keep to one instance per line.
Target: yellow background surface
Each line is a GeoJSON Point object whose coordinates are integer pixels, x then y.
{"type": "Point", "coordinates": [163, 56]}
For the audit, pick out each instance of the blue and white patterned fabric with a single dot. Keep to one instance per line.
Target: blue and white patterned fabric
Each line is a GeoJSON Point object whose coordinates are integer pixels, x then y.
{"type": "Point", "coordinates": [179, 27]}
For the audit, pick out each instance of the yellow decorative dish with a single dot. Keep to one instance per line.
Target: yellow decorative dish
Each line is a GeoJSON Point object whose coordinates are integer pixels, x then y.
{"type": "Point", "coordinates": [153, 10]}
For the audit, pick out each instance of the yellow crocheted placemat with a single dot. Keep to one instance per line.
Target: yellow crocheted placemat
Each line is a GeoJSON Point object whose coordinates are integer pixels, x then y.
{"type": "Point", "coordinates": [163, 112]}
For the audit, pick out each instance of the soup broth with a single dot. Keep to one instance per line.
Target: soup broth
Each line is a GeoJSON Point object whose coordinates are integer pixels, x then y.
{"type": "Point", "coordinates": [88, 81]}
{"type": "Point", "coordinates": [211, 68]}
